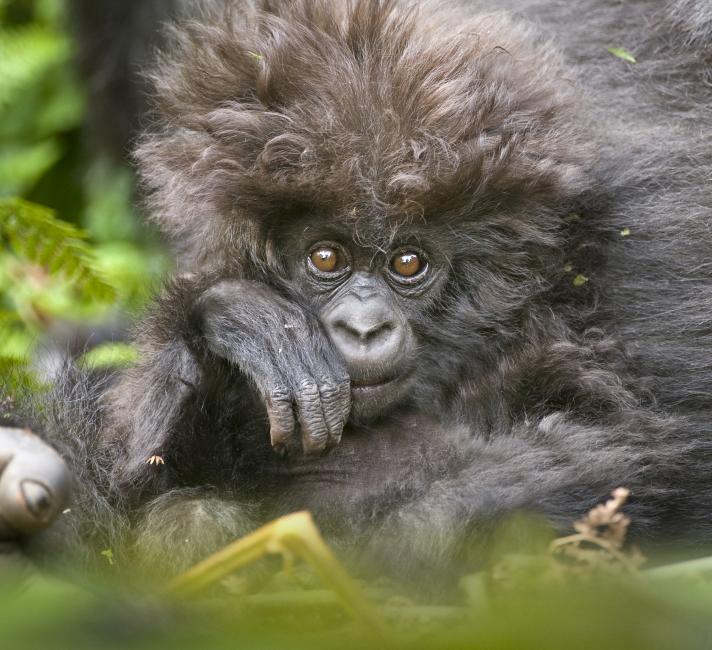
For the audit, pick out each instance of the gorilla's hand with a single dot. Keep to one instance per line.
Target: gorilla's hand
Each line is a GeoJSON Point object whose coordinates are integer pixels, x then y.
{"type": "Point", "coordinates": [285, 353]}
{"type": "Point", "coordinates": [34, 483]}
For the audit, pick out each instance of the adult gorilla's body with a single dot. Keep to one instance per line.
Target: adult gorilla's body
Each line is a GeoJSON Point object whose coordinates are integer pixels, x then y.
{"type": "Point", "coordinates": [375, 134]}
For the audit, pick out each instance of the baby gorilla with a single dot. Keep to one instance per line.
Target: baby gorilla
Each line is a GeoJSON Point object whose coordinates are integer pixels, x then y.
{"type": "Point", "coordinates": [378, 212]}
{"type": "Point", "coordinates": [295, 368]}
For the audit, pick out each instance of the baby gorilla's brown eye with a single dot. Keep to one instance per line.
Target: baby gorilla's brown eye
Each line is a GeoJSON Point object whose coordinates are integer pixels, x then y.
{"type": "Point", "coordinates": [325, 259]}
{"type": "Point", "coordinates": [406, 264]}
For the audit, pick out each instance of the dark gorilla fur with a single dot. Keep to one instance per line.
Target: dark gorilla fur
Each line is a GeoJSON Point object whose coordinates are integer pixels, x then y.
{"type": "Point", "coordinates": [116, 39]}
{"type": "Point", "coordinates": [516, 167]}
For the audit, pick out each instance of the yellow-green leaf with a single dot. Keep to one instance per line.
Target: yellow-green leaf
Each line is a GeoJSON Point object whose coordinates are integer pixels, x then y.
{"type": "Point", "coordinates": [622, 53]}
{"type": "Point", "coordinates": [110, 355]}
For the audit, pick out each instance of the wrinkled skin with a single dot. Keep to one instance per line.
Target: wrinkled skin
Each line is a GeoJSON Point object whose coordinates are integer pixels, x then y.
{"type": "Point", "coordinates": [304, 385]}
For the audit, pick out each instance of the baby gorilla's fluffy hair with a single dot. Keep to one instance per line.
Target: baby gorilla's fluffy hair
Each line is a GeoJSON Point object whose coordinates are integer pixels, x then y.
{"type": "Point", "coordinates": [428, 119]}
{"type": "Point", "coordinates": [564, 344]}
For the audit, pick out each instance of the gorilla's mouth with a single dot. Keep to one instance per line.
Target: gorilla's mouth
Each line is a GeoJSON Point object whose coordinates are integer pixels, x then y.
{"type": "Point", "coordinates": [369, 387]}
{"type": "Point", "coordinates": [371, 397]}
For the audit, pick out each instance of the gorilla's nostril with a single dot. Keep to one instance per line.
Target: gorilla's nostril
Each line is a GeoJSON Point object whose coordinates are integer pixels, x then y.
{"type": "Point", "coordinates": [38, 499]}
{"type": "Point", "coordinates": [377, 332]}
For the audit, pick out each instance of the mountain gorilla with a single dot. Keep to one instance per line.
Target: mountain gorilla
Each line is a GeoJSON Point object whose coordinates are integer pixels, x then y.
{"type": "Point", "coordinates": [432, 272]}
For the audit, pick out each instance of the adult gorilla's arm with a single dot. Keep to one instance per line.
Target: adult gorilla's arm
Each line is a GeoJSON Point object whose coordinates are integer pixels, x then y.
{"type": "Point", "coordinates": [554, 430]}
{"type": "Point", "coordinates": [557, 467]}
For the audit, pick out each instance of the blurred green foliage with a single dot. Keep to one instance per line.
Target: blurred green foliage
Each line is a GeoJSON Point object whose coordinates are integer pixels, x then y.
{"type": "Point", "coordinates": [72, 249]}
{"type": "Point", "coordinates": [642, 612]}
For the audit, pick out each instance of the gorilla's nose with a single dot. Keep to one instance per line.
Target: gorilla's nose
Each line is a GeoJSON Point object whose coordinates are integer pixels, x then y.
{"type": "Point", "coordinates": [363, 332]}
{"type": "Point", "coordinates": [369, 337]}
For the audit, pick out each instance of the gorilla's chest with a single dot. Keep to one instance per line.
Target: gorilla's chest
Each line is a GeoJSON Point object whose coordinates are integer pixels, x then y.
{"type": "Point", "coordinates": [395, 459]}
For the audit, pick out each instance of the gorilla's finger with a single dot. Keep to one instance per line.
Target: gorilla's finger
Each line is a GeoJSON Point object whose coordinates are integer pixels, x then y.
{"type": "Point", "coordinates": [332, 409]}
{"type": "Point", "coordinates": [34, 484]}
{"type": "Point", "coordinates": [345, 398]}
{"type": "Point", "coordinates": [281, 419]}
{"type": "Point", "coordinates": [338, 404]}
{"type": "Point", "coordinates": [315, 432]}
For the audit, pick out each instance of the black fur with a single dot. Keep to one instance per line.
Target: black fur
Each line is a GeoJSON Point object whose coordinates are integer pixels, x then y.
{"type": "Point", "coordinates": [563, 347]}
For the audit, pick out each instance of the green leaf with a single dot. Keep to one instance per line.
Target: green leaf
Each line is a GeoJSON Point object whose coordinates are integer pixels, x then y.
{"type": "Point", "coordinates": [16, 341]}
{"type": "Point", "coordinates": [110, 355]}
{"type": "Point", "coordinates": [108, 214]}
{"type": "Point", "coordinates": [622, 54]}
{"type": "Point", "coordinates": [22, 166]}
{"type": "Point", "coordinates": [35, 233]}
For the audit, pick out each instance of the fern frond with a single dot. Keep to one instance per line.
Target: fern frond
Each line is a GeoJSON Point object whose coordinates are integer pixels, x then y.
{"type": "Point", "coordinates": [35, 233]}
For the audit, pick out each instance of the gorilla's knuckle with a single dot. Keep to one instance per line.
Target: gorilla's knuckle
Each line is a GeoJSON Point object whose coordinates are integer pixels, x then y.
{"type": "Point", "coordinates": [310, 413]}
{"type": "Point", "coordinates": [279, 397]}
{"type": "Point", "coordinates": [308, 389]}
{"type": "Point", "coordinates": [281, 420]}
{"type": "Point", "coordinates": [328, 391]}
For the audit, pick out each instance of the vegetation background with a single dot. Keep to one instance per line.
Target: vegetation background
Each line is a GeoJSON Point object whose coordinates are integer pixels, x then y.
{"type": "Point", "coordinates": [73, 250]}
{"type": "Point", "coordinates": [75, 259]}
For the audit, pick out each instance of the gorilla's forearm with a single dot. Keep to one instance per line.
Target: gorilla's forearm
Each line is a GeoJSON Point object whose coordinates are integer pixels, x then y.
{"type": "Point", "coordinates": [229, 337]}
{"type": "Point", "coordinates": [557, 468]}
{"type": "Point", "coordinates": [146, 409]}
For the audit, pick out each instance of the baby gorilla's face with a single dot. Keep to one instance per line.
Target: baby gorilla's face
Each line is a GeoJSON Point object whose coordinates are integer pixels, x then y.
{"type": "Point", "coordinates": [366, 298]}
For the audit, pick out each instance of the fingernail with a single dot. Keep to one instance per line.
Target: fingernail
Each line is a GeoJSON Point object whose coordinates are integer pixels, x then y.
{"type": "Point", "coordinates": [38, 499]}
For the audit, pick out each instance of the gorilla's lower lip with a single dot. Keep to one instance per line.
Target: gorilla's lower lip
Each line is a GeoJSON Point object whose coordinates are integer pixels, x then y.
{"type": "Point", "coordinates": [363, 387]}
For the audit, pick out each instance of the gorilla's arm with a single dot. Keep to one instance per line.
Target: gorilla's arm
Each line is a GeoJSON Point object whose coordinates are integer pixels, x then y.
{"type": "Point", "coordinates": [278, 349]}
{"type": "Point", "coordinates": [558, 467]}
{"type": "Point", "coordinates": [271, 346]}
